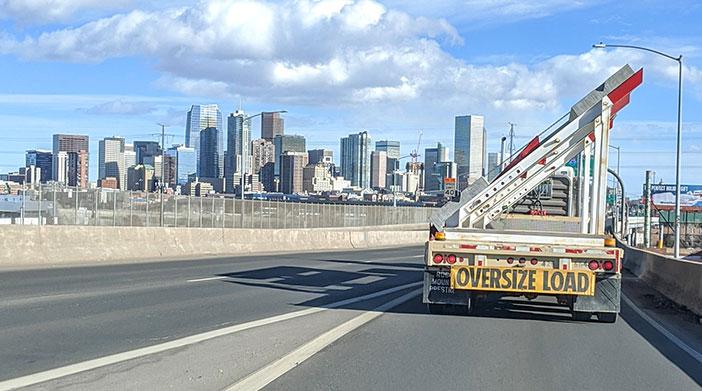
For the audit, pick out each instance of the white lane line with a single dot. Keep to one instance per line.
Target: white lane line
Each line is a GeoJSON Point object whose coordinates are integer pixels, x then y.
{"type": "Point", "coordinates": [56, 373]}
{"type": "Point", "coordinates": [209, 279]}
{"type": "Point", "coordinates": [677, 341]}
{"type": "Point", "coordinates": [278, 368]}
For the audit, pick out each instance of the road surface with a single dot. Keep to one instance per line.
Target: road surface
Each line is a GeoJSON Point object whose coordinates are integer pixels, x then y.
{"type": "Point", "coordinates": [339, 320]}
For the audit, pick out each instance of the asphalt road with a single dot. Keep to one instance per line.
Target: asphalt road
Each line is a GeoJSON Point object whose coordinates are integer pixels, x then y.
{"type": "Point", "coordinates": [57, 317]}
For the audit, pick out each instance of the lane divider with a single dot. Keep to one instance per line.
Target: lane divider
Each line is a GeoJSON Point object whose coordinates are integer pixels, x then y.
{"type": "Point", "coordinates": [661, 329]}
{"type": "Point", "coordinates": [72, 369]}
{"type": "Point", "coordinates": [278, 368]}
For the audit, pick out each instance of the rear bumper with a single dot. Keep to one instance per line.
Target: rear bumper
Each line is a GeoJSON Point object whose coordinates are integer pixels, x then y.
{"type": "Point", "coordinates": [437, 290]}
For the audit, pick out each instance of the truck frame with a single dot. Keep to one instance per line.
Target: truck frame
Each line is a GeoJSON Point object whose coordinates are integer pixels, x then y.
{"type": "Point", "coordinates": [478, 250]}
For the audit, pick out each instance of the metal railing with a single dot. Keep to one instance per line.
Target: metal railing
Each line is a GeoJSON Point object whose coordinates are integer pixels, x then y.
{"type": "Point", "coordinates": [53, 205]}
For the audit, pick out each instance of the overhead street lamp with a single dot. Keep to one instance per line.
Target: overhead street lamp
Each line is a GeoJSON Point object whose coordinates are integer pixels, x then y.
{"type": "Point", "coordinates": [243, 171]}
{"type": "Point", "coordinates": [679, 135]}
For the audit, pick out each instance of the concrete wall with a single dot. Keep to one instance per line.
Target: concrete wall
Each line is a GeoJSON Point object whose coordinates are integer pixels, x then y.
{"type": "Point", "coordinates": [679, 280]}
{"type": "Point", "coordinates": [32, 246]}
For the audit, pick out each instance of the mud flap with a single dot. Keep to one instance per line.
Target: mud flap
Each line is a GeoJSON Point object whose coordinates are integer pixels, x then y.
{"type": "Point", "coordinates": [437, 288]}
{"type": "Point", "coordinates": [606, 299]}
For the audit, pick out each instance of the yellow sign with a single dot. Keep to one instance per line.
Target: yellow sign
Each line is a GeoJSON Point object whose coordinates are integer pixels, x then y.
{"type": "Point", "coordinates": [519, 279]}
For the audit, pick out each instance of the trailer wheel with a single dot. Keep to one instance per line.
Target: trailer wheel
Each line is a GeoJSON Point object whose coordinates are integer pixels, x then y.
{"type": "Point", "coordinates": [581, 316]}
{"type": "Point", "coordinates": [607, 317]}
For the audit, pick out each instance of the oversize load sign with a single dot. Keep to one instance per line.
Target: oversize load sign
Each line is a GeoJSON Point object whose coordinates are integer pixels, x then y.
{"type": "Point", "coordinates": [512, 279]}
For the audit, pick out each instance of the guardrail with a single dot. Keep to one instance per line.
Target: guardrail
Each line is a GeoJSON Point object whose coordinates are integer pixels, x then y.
{"type": "Point", "coordinates": [49, 205]}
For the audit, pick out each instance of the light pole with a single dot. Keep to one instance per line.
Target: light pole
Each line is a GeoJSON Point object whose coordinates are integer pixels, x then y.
{"type": "Point", "coordinates": [243, 164]}
{"type": "Point", "coordinates": [618, 152]}
{"type": "Point", "coordinates": [163, 169]}
{"type": "Point", "coordinates": [679, 135]}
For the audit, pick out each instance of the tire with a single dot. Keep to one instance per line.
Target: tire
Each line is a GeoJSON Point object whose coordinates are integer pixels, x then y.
{"type": "Point", "coordinates": [606, 317]}
{"type": "Point", "coordinates": [581, 316]}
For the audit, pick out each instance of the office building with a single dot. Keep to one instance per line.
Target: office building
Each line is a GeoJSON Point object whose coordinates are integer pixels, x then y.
{"type": "Point", "coordinates": [146, 151]}
{"type": "Point", "coordinates": [287, 143]}
{"type": "Point", "coordinates": [70, 143]}
{"type": "Point", "coordinates": [432, 156]}
{"type": "Point", "coordinates": [493, 166]}
{"type": "Point", "coordinates": [129, 156]}
{"type": "Point", "coordinates": [209, 166]}
{"type": "Point", "coordinates": [355, 159]}
{"type": "Point", "coordinates": [140, 177]}
{"type": "Point", "coordinates": [444, 170]}
{"type": "Point", "coordinates": [185, 164]}
{"type": "Point", "coordinates": [316, 178]}
{"type": "Point", "coordinates": [110, 183]}
{"type": "Point", "coordinates": [200, 117]}
{"type": "Point", "coordinates": [268, 178]}
{"type": "Point", "coordinates": [324, 156]}
{"type": "Point", "coordinates": [469, 148]}
{"type": "Point", "coordinates": [262, 152]}
{"type": "Point", "coordinates": [42, 160]}
{"type": "Point", "coordinates": [111, 160]}
{"type": "Point", "coordinates": [271, 125]}
{"type": "Point", "coordinates": [291, 170]}
{"type": "Point", "coordinates": [238, 158]}
{"type": "Point", "coordinates": [379, 161]}
{"type": "Point", "coordinates": [392, 148]}
{"type": "Point", "coordinates": [76, 172]}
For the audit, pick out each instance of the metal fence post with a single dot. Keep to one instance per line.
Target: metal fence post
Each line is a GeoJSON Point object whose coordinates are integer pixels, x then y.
{"type": "Point", "coordinates": [55, 207]}
{"type": "Point", "coordinates": [114, 208]}
{"type": "Point", "coordinates": [131, 210]}
{"type": "Point", "coordinates": [189, 216]}
{"type": "Point", "coordinates": [201, 197]}
{"type": "Point", "coordinates": [224, 212]}
{"type": "Point", "coordinates": [75, 211]}
{"type": "Point", "coordinates": [24, 205]}
{"type": "Point", "coordinates": [97, 199]}
{"type": "Point", "coordinates": [39, 212]}
{"type": "Point", "coordinates": [175, 210]}
{"type": "Point", "coordinates": [212, 215]}
{"type": "Point", "coordinates": [147, 208]}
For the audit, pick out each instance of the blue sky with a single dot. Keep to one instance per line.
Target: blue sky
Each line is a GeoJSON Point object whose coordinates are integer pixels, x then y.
{"type": "Point", "coordinates": [339, 66]}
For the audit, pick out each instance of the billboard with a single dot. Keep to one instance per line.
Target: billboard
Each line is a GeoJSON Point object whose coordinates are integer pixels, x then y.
{"type": "Point", "coordinates": [664, 195]}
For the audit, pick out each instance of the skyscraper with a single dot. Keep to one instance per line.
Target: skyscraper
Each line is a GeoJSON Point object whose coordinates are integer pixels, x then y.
{"type": "Point", "coordinates": [392, 148]}
{"type": "Point", "coordinates": [129, 156]}
{"type": "Point", "coordinates": [43, 160]}
{"type": "Point", "coordinates": [210, 153]}
{"type": "Point", "coordinates": [355, 159]}
{"type": "Point", "coordinates": [325, 156]}
{"type": "Point", "coordinates": [262, 152]}
{"type": "Point", "coordinates": [111, 160]}
{"type": "Point", "coordinates": [432, 156]}
{"type": "Point", "coordinates": [291, 172]}
{"type": "Point", "coordinates": [79, 145]}
{"type": "Point", "coordinates": [146, 151]}
{"type": "Point", "coordinates": [493, 166]}
{"type": "Point", "coordinates": [185, 164]}
{"type": "Point", "coordinates": [271, 125]}
{"type": "Point", "coordinates": [238, 147]}
{"type": "Point", "coordinates": [469, 149]}
{"type": "Point", "coordinates": [199, 118]}
{"type": "Point", "coordinates": [379, 162]}
{"type": "Point", "coordinates": [287, 143]}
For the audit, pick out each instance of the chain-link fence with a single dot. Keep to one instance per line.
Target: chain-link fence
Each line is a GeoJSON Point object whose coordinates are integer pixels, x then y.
{"type": "Point", "coordinates": [51, 205]}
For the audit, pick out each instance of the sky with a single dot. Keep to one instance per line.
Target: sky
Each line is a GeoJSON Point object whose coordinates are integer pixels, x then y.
{"type": "Point", "coordinates": [393, 68]}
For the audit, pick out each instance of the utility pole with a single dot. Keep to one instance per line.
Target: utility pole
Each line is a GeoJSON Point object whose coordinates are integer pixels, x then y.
{"type": "Point", "coordinates": [163, 168]}
{"type": "Point", "coordinates": [511, 140]}
{"type": "Point", "coordinates": [647, 210]}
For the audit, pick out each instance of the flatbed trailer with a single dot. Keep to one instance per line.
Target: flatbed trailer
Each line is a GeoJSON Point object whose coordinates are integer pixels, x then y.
{"type": "Point", "coordinates": [478, 251]}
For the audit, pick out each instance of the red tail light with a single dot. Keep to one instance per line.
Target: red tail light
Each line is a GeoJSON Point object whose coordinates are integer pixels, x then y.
{"type": "Point", "coordinates": [534, 261]}
{"type": "Point", "coordinates": [593, 265]}
{"type": "Point", "coordinates": [438, 258]}
{"type": "Point", "coordinates": [510, 260]}
{"type": "Point", "coordinates": [451, 259]}
{"type": "Point", "coordinates": [522, 260]}
{"type": "Point", "coordinates": [608, 265]}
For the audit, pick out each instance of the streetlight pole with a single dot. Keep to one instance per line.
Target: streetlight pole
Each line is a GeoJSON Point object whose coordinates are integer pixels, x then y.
{"type": "Point", "coordinates": [163, 169]}
{"type": "Point", "coordinates": [601, 45]}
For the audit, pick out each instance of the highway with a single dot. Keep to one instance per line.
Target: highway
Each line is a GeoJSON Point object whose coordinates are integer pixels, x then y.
{"type": "Point", "coordinates": [348, 320]}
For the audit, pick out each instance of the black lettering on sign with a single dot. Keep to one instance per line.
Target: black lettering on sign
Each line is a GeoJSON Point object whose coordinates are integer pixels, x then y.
{"type": "Point", "coordinates": [462, 277]}
{"type": "Point", "coordinates": [583, 282]}
{"type": "Point", "coordinates": [474, 277]}
{"type": "Point", "coordinates": [557, 281]}
{"type": "Point", "coordinates": [547, 287]}
{"type": "Point", "coordinates": [507, 278]}
{"type": "Point", "coordinates": [569, 282]}
{"type": "Point", "coordinates": [484, 279]}
{"type": "Point", "coordinates": [494, 278]}
{"type": "Point", "coordinates": [522, 278]}
{"type": "Point", "coordinates": [532, 280]}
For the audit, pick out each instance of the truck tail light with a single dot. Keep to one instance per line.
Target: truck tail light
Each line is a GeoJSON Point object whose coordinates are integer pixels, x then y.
{"type": "Point", "coordinates": [451, 259]}
{"type": "Point", "coordinates": [534, 261]}
{"type": "Point", "coordinates": [608, 265]}
{"type": "Point", "coordinates": [510, 260]}
{"type": "Point", "coordinates": [522, 260]}
{"type": "Point", "coordinates": [593, 265]}
{"type": "Point", "coordinates": [438, 258]}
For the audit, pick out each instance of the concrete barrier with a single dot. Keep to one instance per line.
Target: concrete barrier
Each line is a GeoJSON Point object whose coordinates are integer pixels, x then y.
{"type": "Point", "coordinates": [32, 246]}
{"type": "Point", "coordinates": [678, 279]}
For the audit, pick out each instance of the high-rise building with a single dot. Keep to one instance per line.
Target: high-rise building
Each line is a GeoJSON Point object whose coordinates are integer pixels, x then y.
{"type": "Point", "coordinates": [287, 143]}
{"type": "Point", "coordinates": [392, 148]}
{"type": "Point", "coordinates": [77, 144]}
{"type": "Point", "coordinates": [77, 165]}
{"type": "Point", "coordinates": [355, 159]}
{"type": "Point", "coordinates": [185, 164]}
{"type": "Point", "coordinates": [444, 170]}
{"type": "Point", "coordinates": [291, 171]}
{"type": "Point", "coordinates": [44, 161]}
{"type": "Point", "coordinates": [379, 168]}
{"type": "Point", "coordinates": [201, 117]}
{"type": "Point", "coordinates": [271, 125]}
{"type": "Point", "coordinates": [469, 149]}
{"type": "Point", "coordinates": [140, 177]}
{"type": "Point", "coordinates": [316, 178]}
{"type": "Point", "coordinates": [493, 166]}
{"type": "Point", "coordinates": [111, 160]}
{"type": "Point", "coordinates": [262, 152]}
{"type": "Point", "coordinates": [129, 156]}
{"type": "Point", "coordinates": [325, 156]}
{"type": "Point", "coordinates": [268, 178]}
{"type": "Point", "coordinates": [238, 158]}
{"type": "Point", "coordinates": [209, 153]}
{"type": "Point", "coordinates": [145, 150]}
{"type": "Point", "coordinates": [432, 156]}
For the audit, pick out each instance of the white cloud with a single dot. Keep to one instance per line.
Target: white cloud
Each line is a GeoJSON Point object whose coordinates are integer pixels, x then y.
{"type": "Point", "coordinates": [120, 107]}
{"type": "Point", "coordinates": [41, 11]}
